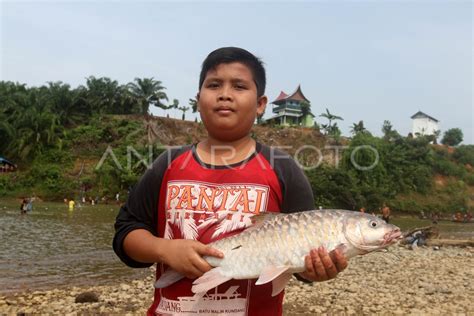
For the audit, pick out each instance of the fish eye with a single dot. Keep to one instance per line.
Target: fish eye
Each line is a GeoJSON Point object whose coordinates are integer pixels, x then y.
{"type": "Point", "coordinates": [373, 224]}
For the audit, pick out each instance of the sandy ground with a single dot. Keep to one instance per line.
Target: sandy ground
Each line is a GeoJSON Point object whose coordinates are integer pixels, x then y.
{"type": "Point", "coordinates": [423, 281]}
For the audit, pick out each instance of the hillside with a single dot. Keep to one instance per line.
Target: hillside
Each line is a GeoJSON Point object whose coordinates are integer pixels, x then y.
{"type": "Point", "coordinates": [108, 155]}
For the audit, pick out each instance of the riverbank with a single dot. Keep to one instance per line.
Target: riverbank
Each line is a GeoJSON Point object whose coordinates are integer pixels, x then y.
{"type": "Point", "coordinates": [424, 281]}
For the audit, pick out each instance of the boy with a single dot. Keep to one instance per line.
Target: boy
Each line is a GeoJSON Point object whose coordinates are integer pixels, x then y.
{"type": "Point", "coordinates": [197, 194]}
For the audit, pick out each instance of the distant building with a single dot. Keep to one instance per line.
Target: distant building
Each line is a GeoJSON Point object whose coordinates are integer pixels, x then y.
{"type": "Point", "coordinates": [6, 165]}
{"type": "Point", "coordinates": [288, 110]}
{"type": "Point", "coordinates": [423, 124]}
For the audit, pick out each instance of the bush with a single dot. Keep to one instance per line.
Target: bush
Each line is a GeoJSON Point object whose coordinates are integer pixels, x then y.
{"type": "Point", "coordinates": [449, 168]}
{"type": "Point", "coordinates": [452, 137]}
{"type": "Point", "coordinates": [7, 185]}
{"type": "Point", "coordinates": [464, 154]}
{"type": "Point", "coordinates": [469, 179]}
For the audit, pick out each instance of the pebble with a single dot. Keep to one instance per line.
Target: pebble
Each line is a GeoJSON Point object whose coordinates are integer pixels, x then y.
{"type": "Point", "coordinates": [424, 282]}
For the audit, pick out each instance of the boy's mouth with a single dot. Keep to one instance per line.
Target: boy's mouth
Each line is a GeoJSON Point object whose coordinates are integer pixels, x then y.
{"type": "Point", "coordinates": [224, 110]}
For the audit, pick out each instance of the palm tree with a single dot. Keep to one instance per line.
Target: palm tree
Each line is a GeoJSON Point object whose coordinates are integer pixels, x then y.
{"type": "Point", "coordinates": [7, 131]}
{"type": "Point", "coordinates": [38, 127]}
{"type": "Point", "coordinates": [335, 133]}
{"type": "Point", "coordinates": [358, 128]}
{"type": "Point", "coordinates": [389, 133]}
{"type": "Point", "coordinates": [194, 104]}
{"type": "Point", "coordinates": [104, 95]}
{"type": "Point", "coordinates": [149, 91]}
{"type": "Point", "coordinates": [331, 117]}
{"type": "Point", "coordinates": [68, 104]}
{"type": "Point", "coordinates": [183, 109]}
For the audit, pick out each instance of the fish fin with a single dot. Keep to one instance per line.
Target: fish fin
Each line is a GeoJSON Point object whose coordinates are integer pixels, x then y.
{"type": "Point", "coordinates": [209, 280]}
{"type": "Point", "coordinates": [269, 273]}
{"type": "Point", "coordinates": [342, 248]}
{"type": "Point", "coordinates": [167, 278]}
{"type": "Point", "coordinates": [279, 283]}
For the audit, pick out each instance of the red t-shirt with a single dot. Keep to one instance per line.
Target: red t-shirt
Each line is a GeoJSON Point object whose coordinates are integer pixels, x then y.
{"type": "Point", "coordinates": [206, 203]}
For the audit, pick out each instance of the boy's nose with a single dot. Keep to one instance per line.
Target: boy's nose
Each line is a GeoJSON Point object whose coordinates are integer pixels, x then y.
{"type": "Point", "coordinates": [224, 97]}
{"type": "Point", "coordinates": [225, 94]}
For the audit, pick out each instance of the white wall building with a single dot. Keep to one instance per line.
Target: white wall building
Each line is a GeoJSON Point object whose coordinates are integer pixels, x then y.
{"type": "Point", "coordinates": [423, 124]}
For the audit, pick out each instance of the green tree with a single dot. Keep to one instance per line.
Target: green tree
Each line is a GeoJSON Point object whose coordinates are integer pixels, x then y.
{"type": "Point", "coordinates": [69, 105]}
{"type": "Point", "coordinates": [148, 91]}
{"type": "Point", "coordinates": [464, 154]}
{"type": "Point", "coordinates": [364, 161]}
{"type": "Point", "coordinates": [102, 95]}
{"type": "Point", "coordinates": [452, 137]}
{"type": "Point", "coordinates": [305, 108]}
{"type": "Point", "coordinates": [389, 134]}
{"type": "Point", "coordinates": [183, 109]}
{"type": "Point", "coordinates": [358, 128]}
{"type": "Point", "coordinates": [328, 128]}
{"type": "Point", "coordinates": [194, 104]}
{"type": "Point", "coordinates": [335, 133]}
{"type": "Point", "coordinates": [333, 188]}
{"type": "Point", "coordinates": [35, 130]}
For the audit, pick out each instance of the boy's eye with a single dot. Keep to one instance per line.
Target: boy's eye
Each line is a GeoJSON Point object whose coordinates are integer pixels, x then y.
{"type": "Point", "coordinates": [240, 87]}
{"type": "Point", "coordinates": [212, 85]}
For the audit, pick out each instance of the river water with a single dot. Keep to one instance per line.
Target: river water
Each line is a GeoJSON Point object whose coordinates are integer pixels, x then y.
{"type": "Point", "coordinates": [53, 247]}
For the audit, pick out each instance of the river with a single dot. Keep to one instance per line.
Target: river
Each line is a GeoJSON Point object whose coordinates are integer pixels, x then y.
{"type": "Point", "coordinates": [53, 247]}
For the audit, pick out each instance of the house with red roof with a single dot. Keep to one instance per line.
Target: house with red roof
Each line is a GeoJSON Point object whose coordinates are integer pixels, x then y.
{"type": "Point", "coordinates": [291, 110]}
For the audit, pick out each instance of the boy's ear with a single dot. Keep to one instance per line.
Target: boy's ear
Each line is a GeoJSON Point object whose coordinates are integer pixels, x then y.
{"type": "Point", "coordinates": [261, 104]}
{"type": "Point", "coordinates": [197, 99]}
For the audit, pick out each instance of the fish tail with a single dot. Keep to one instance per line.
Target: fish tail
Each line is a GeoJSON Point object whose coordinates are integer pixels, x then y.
{"type": "Point", "coordinates": [167, 278]}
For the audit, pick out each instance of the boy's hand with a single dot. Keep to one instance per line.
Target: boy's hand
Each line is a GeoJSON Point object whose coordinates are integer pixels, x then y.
{"type": "Point", "coordinates": [322, 266]}
{"type": "Point", "coordinates": [185, 257]}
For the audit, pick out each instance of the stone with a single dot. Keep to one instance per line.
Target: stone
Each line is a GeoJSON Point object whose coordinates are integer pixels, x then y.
{"type": "Point", "coordinates": [87, 297]}
{"type": "Point", "coordinates": [125, 287]}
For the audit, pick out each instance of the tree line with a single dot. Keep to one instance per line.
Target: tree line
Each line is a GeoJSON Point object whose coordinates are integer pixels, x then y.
{"type": "Point", "coordinates": [32, 119]}
{"type": "Point", "coordinates": [49, 126]}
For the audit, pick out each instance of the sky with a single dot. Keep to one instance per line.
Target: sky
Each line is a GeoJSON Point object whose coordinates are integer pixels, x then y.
{"type": "Point", "coordinates": [363, 60]}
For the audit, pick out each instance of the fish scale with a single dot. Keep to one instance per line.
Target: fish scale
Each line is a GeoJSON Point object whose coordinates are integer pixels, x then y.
{"type": "Point", "coordinates": [287, 247]}
{"type": "Point", "coordinates": [276, 245]}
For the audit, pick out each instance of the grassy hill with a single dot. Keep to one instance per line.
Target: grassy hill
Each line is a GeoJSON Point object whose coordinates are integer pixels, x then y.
{"type": "Point", "coordinates": [108, 154]}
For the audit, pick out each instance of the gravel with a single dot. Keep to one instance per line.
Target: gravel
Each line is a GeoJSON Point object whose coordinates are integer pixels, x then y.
{"type": "Point", "coordinates": [400, 282]}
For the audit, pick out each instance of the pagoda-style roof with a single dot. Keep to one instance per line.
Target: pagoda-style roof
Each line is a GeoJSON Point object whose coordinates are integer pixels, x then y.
{"type": "Point", "coordinates": [420, 114]}
{"type": "Point", "coordinates": [282, 96]}
{"type": "Point", "coordinates": [296, 96]}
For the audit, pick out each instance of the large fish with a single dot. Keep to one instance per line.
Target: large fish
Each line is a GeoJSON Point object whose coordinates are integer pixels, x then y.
{"type": "Point", "coordinates": [275, 246]}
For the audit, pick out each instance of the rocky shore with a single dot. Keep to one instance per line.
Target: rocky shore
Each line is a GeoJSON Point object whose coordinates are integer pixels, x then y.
{"type": "Point", "coordinates": [402, 281]}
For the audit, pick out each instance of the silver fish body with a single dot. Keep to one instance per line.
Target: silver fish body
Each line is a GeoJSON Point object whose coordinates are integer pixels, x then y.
{"type": "Point", "coordinates": [275, 247]}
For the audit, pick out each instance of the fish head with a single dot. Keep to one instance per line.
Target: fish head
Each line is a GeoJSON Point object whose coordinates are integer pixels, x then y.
{"type": "Point", "coordinates": [369, 233]}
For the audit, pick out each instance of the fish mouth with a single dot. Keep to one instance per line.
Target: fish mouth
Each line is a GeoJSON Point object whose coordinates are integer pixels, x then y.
{"type": "Point", "coordinates": [392, 236]}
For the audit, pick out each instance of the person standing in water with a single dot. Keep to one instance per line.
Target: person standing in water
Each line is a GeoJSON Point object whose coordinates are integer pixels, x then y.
{"type": "Point", "coordinates": [385, 213]}
{"type": "Point", "coordinates": [71, 205]}
{"type": "Point", "coordinates": [23, 205]}
{"type": "Point", "coordinates": [29, 205]}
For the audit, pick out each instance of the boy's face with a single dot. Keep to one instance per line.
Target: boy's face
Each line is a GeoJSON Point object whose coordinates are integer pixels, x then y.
{"type": "Point", "coordinates": [228, 101]}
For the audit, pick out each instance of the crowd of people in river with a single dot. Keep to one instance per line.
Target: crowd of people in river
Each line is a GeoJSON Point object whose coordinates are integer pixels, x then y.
{"type": "Point", "coordinates": [90, 200]}
{"type": "Point", "coordinates": [385, 211]}
{"type": "Point", "coordinates": [459, 216]}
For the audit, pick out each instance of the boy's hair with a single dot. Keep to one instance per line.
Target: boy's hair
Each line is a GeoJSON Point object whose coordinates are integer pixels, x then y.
{"type": "Point", "coordinates": [227, 55]}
